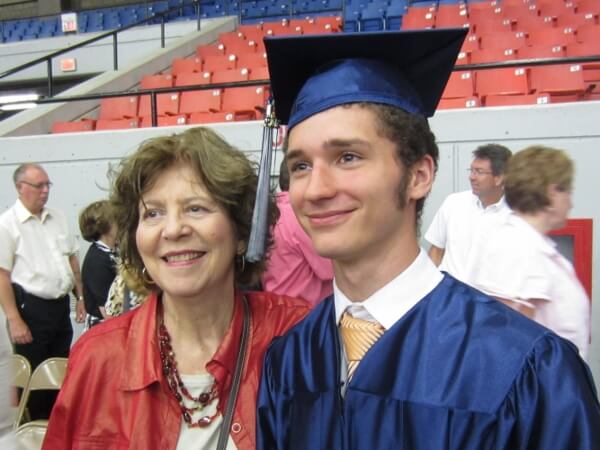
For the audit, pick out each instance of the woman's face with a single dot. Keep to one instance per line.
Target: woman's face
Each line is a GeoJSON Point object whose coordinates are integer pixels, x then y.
{"type": "Point", "coordinates": [186, 240]}
{"type": "Point", "coordinates": [560, 206]}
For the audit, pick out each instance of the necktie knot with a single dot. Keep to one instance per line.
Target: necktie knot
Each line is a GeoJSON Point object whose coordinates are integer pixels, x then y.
{"type": "Point", "coordinates": [358, 336]}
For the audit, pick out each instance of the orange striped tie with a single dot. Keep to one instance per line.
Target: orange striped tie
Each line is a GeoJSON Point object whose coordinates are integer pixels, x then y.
{"type": "Point", "coordinates": [358, 336]}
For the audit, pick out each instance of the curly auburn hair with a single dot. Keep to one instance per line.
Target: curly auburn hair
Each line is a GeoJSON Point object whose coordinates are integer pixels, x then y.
{"type": "Point", "coordinates": [228, 175]}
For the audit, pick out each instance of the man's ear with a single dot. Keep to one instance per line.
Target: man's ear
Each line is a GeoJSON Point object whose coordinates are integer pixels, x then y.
{"type": "Point", "coordinates": [422, 176]}
{"type": "Point", "coordinates": [499, 180]}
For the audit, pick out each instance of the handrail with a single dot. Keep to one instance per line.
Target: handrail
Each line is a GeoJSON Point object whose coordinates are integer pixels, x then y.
{"type": "Point", "coordinates": [48, 58]}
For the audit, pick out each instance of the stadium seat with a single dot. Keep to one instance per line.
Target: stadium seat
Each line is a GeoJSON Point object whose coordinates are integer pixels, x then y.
{"type": "Point", "coordinates": [208, 100]}
{"type": "Point", "coordinates": [164, 121]}
{"type": "Point", "coordinates": [563, 79]}
{"type": "Point", "coordinates": [460, 85]}
{"type": "Point", "coordinates": [118, 108]}
{"type": "Point", "coordinates": [186, 65]}
{"type": "Point", "coordinates": [117, 124]}
{"type": "Point", "coordinates": [207, 51]}
{"type": "Point", "coordinates": [208, 117]}
{"type": "Point", "coordinates": [244, 99]}
{"type": "Point", "coordinates": [192, 79]}
{"type": "Point", "coordinates": [588, 33]}
{"type": "Point", "coordinates": [251, 60]}
{"type": "Point", "coordinates": [156, 81]}
{"type": "Point", "coordinates": [512, 100]}
{"type": "Point", "coordinates": [487, 55]}
{"type": "Point", "coordinates": [166, 105]}
{"type": "Point", "coordinates": [230, 75]}
{"type": "Point", "coordinates": [73, 127]}
{"type": "Point", "coordinates": [509, 81]}
{"type": "Point", "coordinates": [456, 103]}
{"type": "Point", "coordinates": [576, 20]}
{"type": "Point", "coordinates": [551, 36]}
{"type": "Point", "coordinates": [220, 62]}
{"type": "Point", "coordinates": [541, 51]}
{"type": "Point", "coordinates": [588, 48]}
{"type": "Point", "coordinates": [471, 43]}
{"type": "Point", "coordinates": [514, 40]}
{"type": "Point", "coordinates": [588, 6]}
{"type": "Point", "coordinates": [418, 18]}
{"type": "Point", "coordinates": [451, 15]}
{"type": "Point", "coordinates": [259, 73]}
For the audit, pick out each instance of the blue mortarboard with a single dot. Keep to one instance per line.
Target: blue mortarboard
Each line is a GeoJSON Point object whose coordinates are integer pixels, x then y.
{"type": "Point", "coordinates": [407, 69]}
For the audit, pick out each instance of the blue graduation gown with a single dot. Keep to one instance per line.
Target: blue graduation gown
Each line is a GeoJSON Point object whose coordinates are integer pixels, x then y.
{"type": "Point", "coordinates": [459, 371]}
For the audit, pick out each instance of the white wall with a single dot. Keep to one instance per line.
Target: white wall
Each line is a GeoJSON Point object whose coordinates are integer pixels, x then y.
{"type": "Point", "coordinates": [78, 163]}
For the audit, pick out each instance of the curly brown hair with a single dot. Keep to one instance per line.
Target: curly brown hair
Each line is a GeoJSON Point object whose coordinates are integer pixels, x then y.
{"type": "Point", "coordinates": [95, 220]}
{"type": "Point", "coordinates": [228, 175]}
{"type": "Point", "coordinates": [531, 171]}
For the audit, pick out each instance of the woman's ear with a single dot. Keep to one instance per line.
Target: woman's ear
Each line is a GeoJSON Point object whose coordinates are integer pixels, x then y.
{"type": "Point", "coordinates": [241, 247]}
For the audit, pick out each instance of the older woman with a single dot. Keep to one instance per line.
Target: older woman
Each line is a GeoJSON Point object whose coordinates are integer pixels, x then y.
{"type": "Point", "coordinates": [518, 263]}
{"type": "Point", "coordinates": [182, 370]}
{"type": "Point", "coordinates": [96, 223]}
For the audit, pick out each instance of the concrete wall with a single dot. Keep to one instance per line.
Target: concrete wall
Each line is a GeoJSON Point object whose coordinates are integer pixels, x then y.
{"type": "Point", "coordinates": [78, 163]}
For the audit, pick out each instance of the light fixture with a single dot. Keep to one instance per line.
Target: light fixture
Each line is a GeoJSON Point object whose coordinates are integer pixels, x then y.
{"type": "Point", "coordinates": [17, 106]}
{"type": "Point", "coordinates": [18, 98]}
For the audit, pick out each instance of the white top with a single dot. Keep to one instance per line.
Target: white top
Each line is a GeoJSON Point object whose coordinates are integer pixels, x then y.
{"type": "Point", "coordinates": [390, 303]}
{"type": "Point", "coordinates": [201, 438]}
{"type": "Point", "coordinates": [36, 251]}
{"type": "Point", "coordinates": [7, 411]}
{"type": "Point", "coordinates": [515, 262]}
{"type": "Point", "coordinates": [458, 221]}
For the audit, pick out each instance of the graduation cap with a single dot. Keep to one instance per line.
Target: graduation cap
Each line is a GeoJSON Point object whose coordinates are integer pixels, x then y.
{"type": "Point", "coordinates": [407, 69]}
{"type": "Point", "coordinates": [310, 74]}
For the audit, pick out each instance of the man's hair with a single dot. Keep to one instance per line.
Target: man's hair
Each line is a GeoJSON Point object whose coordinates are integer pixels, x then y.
{"type": "Point", "coordinates": [497, 154]}
{"type": "Point", "coordinates": [414, 140]}
{"type": "Point", "coordinates": [284, 176]}
{"type": "Point", "coordinates": [529, 174]}
{"type": "Point", "coordinates": [20, 171]}
{"type": "Point", "coordinates": [228, 175]}
{"type": "Point", "coordinates": [95, 220]}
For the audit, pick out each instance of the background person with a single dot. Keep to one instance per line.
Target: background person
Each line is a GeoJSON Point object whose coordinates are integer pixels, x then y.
{"type": "Point", "coordinates": [38, 269]}
{"type": "Point", "coordinates": [519, 264]}
{"type": "Point", "coordinates": [294, 267]}
{"type": "Point", "coordinates": [463, 215]}
{"type": "Point", "coordinates": [165, 380]}
{"type": "Point", "coordinates": [97, 225]}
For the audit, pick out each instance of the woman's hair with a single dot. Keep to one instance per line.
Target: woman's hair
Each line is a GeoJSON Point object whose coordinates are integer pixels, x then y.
{"type": "Point", "coordinates": [530, 172]}
{"type": "Point", "coordinates": [228, 175]}
{"type": "Point", "coordinates": [96, 220]}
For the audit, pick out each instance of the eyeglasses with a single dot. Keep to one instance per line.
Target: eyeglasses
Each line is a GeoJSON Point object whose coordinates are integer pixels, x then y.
{"type": "Point", "coordinates": [479, 172]}
{"type": "Point", "coordinates": [39, 186]}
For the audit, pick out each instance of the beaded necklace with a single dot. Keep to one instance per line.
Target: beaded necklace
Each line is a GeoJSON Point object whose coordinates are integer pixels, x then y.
{"type": "Point", "coordinates": [178, 389]}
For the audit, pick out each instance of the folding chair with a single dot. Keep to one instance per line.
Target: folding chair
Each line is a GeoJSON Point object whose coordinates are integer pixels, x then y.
{"type": "Point", "coordinates": [21, 376]}
{"type": "Point", "coordinates": [48, 375]}
{"type": "Point", "coordinates": [30, 436]}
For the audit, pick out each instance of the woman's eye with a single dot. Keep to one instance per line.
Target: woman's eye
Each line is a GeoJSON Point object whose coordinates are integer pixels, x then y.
{"type": "Point", "coordinates": [150, 214]}
{"type": "Point", "coordinates": [196, 208]}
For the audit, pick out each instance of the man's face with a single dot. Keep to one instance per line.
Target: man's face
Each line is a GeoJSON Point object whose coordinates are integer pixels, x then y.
{"type": "Point", "coordinates": [483, 182]}
{"type": "Point", "coordinates": [33, 189]}
{"type": "Point", "coordinates": [344, 185]}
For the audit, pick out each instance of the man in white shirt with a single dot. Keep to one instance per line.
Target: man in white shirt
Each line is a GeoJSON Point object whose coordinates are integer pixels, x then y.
{"type": "Point", "coordinates": [38, 269]}
{"type": "Point", "coordinates": [464, 214]}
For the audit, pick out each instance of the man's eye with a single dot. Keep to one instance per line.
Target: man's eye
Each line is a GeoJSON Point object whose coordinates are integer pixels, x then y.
{"type": "Point", "coordinates": [299, 166]}
{"type": "Point", "coordinates": [349, 157]}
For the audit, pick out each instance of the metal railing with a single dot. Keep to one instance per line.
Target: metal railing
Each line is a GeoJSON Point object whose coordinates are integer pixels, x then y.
{"type": "Point", "coordinates": [114, 33]}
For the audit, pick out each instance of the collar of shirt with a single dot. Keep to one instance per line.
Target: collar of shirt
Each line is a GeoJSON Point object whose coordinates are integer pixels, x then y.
{"type": "Point", "coordinates": [23, 214]}
{"type": "Point", "coordinates": [493, 207]}
{"type": "Point", "coordinates": [102, 246]}
{"type": "Point", "coordinates": [392, 301]}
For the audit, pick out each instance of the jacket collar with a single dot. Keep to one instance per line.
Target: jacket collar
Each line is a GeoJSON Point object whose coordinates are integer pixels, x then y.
{"type": "Point", "coordinates": [143, 366]}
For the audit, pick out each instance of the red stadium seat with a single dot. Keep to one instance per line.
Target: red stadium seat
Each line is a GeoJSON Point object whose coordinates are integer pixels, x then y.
{"type": "Point", "coordinates": [588, 6]}
{"type": "Point", "coordinates": [510, 81]}
{"type": "Point", "coordinates": [192, 79]}
{"type": "Point", "coordinates": [259, 73]}
{"type": "Point", "coordinates": [512, 100]}
{"type": "Point", "coordinates": [251, 60]}
{"type": "Point", "coordinates": [73, 127]}
{"type": "Point", "coordinates": [492, 55]}
{"type": "Point", "coordinates": [551, 36]}
{"type": "Point", "coordinates": [164, 121]}
{"type": "Point", "coordinates": [186, 65]}
{"type": "Point", "coordinates": [493, 25]}
{"type": "Point", "coordinates": [207, 117]}
{"type": "Point", "coordinates": [166, 105]}
{"type": "Point", "coordinates": [541, 51]}
{"type": "Point", "coordinates": [230, 76]}
{"type": "Point", "coordinates": [514, 40]}
{"type": "Point", "coordinates": [588, 33]}
{"type": "Point", "coordinates": [456, 103]}
{"type": "Point", "coordinates": [206, 51]}
{"type": "Point", "coordinates": [253, 34]}
{"type": "Point", "coordinates": [560, 79]}
{"type": "Point", "coordinates": [451, 15]}
{"type": "Point", "coordinates": [589, 48]}
{"type": "Point", "coordinates": [118, 108]}
{"type": "Point", "coordinates": [208, 100]}
{"type": "Point", "coordinates": [470, 43]}
{"type": "Point", "coordinates": [231, 38]}
{"type": "Point", "coordinates": [156, 81]}
{"type": "Point", "coordinates": [221, 62]}
{"type": "Point", "coordinates": [243, 99]}
{"type": "Point", "coordinates": [576, 20]}
{"type": "Point", "coordinates": [549, 8]}
{"type": "Point", "coordinates": [530, 22]}
{"type": "Point", "coordinates": [418, 18]}
{"type": "Point", "coordinates": [460, 85]}
{"type": "Point", "coordinates": [332, 22]}
{"type": "Point", "coordinates": [119, 124]}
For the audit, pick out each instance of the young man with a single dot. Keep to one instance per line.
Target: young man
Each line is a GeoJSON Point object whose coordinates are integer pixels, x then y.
{"type": "Point", "coordinates": [463, 215]}
{"type": "Point", "coordinates": [443, 366]}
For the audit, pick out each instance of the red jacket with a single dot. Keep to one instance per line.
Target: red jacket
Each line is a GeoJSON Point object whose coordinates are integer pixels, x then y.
{"type": "Point", "coordinates": [115, 395]}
